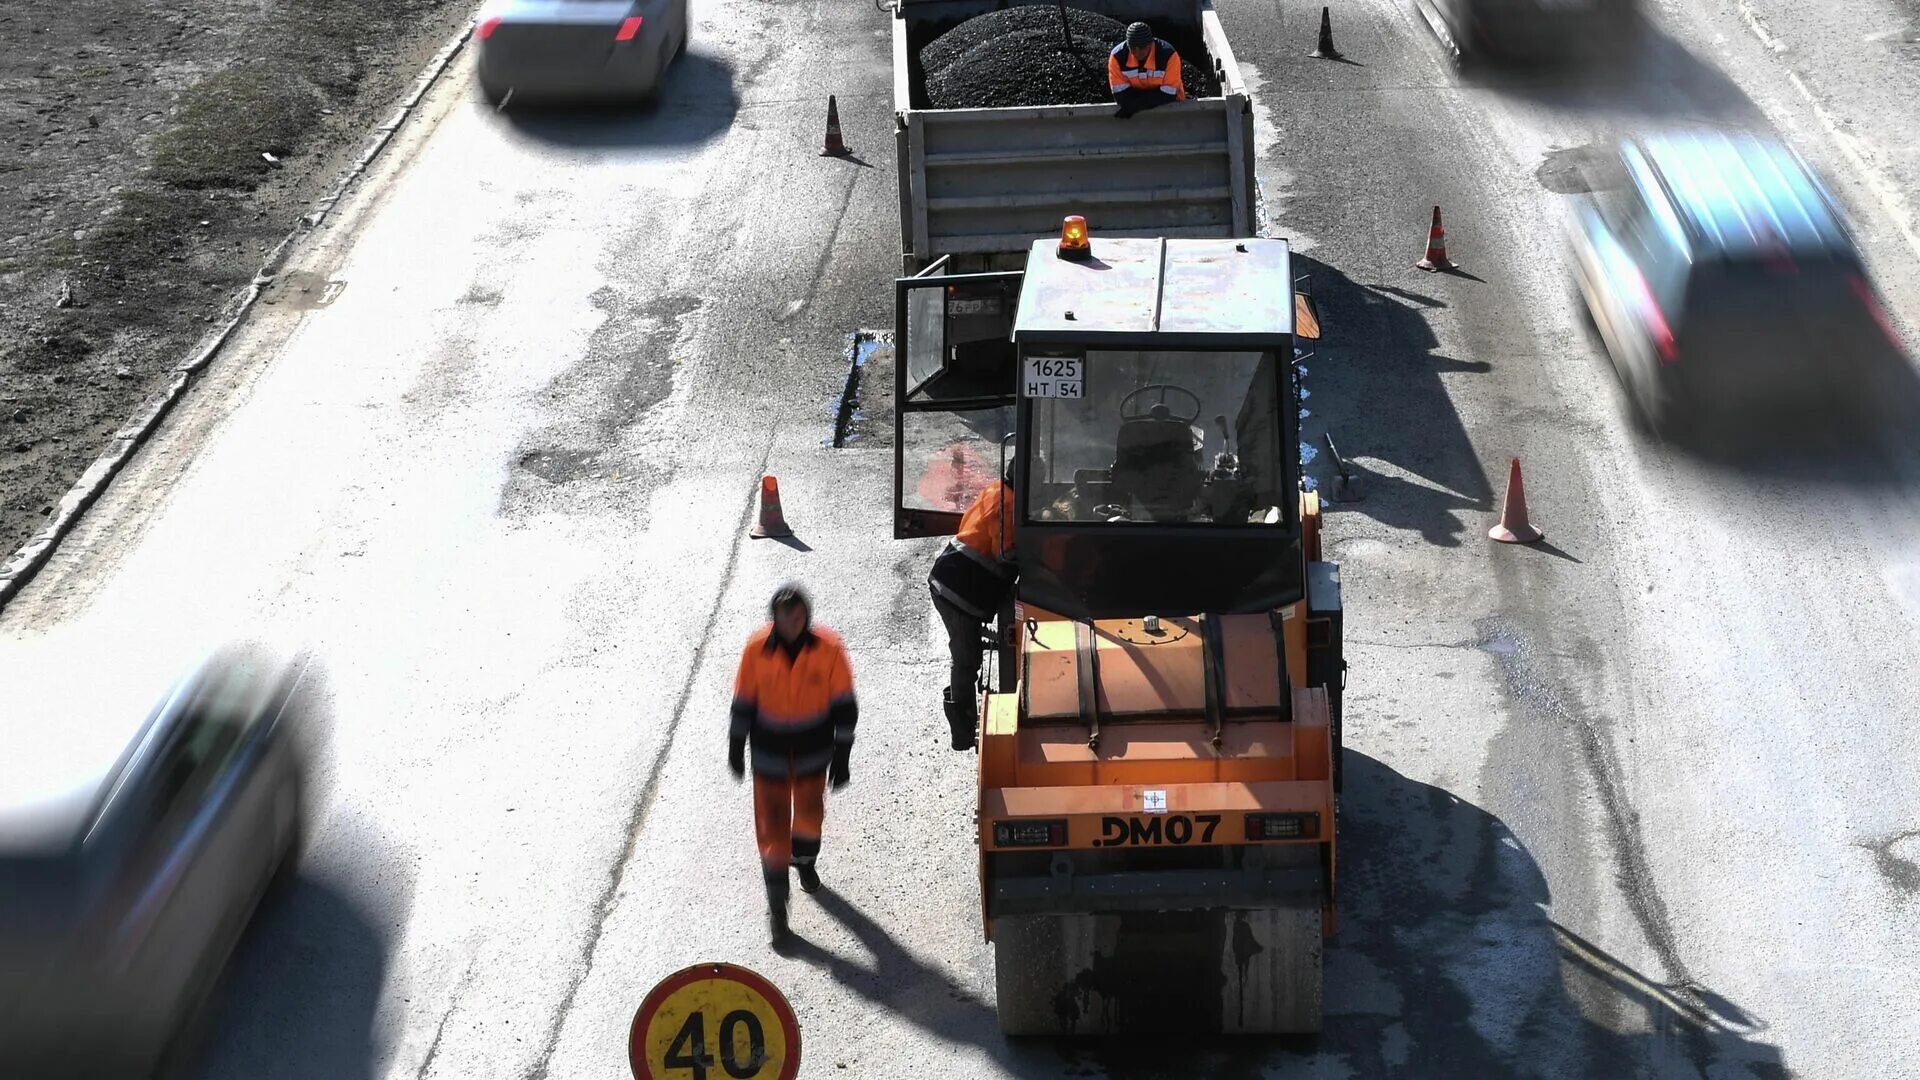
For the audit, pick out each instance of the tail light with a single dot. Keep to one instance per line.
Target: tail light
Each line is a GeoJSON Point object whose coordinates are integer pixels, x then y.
{"type": "Point", "coordinates": [1656, 321]}
{"type": "Point", "coordinates": [1029, 834]}
{"type": "Point", "coordinates": [487, 27]}
{"type": "Point", "coordinates": [628, 29]}
{"type": "Point", "coordinates": [1872, 303]}
{"type": "Point", "coordinates": [1282, 827]}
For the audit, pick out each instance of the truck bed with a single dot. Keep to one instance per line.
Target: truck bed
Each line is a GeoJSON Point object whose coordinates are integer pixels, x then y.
{"type": "Point", "coordinates": [981, 184]}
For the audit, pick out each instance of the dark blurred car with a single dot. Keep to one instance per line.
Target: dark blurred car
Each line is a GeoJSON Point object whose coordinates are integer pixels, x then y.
{"type": "Point", "coordinates": [136, 841]}
{"type": "Point", "coordinates": [577, 50]}
{"type": "Point", "coordinates": [1528, 29]}
{"type": "Point", "coordinates": [1723, 282]}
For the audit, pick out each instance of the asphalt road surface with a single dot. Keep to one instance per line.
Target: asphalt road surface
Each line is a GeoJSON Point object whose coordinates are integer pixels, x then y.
{"type": "Point", "coordinates": [1631, 802]}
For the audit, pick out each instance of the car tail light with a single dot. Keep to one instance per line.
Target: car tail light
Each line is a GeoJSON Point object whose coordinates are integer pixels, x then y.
{"type": "Point", "coordinates": [1282, 827]}
{"type": "Point", "coordinates": [628, 29]}
{"type": "Point", "coordinates": [487, 27]}
{"type": "Point", "coordinates": [1029, 834]}
{"type": "Point", "coordinates": [1872, 303]}
{"type": "Point", "coordinates": [1656, 321]}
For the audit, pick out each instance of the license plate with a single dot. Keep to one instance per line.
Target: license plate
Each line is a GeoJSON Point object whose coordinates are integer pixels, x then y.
{"type": "Point", "coordinates": [981, 305]}
{"type": "Point", "coordinates": [1157, 830]}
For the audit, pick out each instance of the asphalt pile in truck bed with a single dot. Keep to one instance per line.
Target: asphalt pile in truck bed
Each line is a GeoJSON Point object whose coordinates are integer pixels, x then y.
{"type": "Point", "coordinates": [1016, 57]}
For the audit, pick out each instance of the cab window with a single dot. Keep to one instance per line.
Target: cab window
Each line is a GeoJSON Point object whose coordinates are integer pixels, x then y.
{"type": "Point", "coordinates": [1192, 438]}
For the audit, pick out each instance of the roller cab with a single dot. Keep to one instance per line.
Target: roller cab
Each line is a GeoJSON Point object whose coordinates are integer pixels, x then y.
{"type": "Point", "coordinates": [1157, 814]}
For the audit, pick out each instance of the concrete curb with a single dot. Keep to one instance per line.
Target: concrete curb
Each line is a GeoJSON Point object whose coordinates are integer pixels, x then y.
{"type": "Point", "coordinates": [33, 555]}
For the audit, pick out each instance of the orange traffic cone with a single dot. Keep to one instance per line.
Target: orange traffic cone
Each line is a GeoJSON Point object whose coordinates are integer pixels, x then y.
{"type": "Point", "coordinates": [772, 522]}
{"type": "Point", "coordinates": [1436, 258]}
{"type": "Point", "coordinates": [1514, 527]}
{"type": "Point", "coordinates": [834, 146]}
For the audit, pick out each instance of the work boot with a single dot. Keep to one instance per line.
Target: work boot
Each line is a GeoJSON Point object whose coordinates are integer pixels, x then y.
{"type": "Point", "coordinates": [961, 717]}
{"type": "Point", "coordinates": [809, 879]}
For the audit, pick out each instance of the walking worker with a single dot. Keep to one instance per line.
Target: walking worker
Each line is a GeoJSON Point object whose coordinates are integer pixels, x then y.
{"type": "Point", "coordinates": [793, 700]}
{"type": "Point", "coordinates": [970, 580]}
{"type": "Point", "coordinates": [1144, 72]}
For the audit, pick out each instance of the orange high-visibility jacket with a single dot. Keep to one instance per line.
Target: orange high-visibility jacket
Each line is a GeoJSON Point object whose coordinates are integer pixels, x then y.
{"type": "Point", "coordinates": [1128, 71]}
{"type": "Point", "coordinates": [985, 526]}
{"type": "Point", "coordinates": [794, 704]}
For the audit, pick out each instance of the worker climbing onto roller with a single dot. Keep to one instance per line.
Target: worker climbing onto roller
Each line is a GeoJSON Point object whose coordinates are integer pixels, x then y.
{"type": "Point", "coordinates": [793, 700]}
{"type": "Point", "coordinates": [970, 580]}
{"type": "Point", "coordinates": [1144, 72]}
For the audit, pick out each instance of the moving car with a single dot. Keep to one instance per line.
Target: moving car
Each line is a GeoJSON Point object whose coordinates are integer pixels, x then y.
{"type": "Point", "coordinates": [577, 50]}
{"type": "Point", "coordinates": [1526, 29]}
{"type": "Point", "coordinates": [138, 833]}
{"type": "Point", "coordinates": [1722, 280]}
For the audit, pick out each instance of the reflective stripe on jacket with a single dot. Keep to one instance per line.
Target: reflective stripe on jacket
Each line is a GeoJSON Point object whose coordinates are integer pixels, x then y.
{"type": "Point", "coordinates": [1126, 71]}
{"type": "Point", "coordinates": [794, 704]}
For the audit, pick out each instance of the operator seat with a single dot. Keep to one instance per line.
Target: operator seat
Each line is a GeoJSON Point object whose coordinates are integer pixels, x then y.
{"type": "Point", "coordinates": [1157, 462]}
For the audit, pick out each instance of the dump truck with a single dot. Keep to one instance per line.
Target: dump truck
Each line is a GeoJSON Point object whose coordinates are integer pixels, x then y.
{"type": "Point", "coordinates": [978, 185]}
{"type": "Point", "coordinates": [1160, 733]}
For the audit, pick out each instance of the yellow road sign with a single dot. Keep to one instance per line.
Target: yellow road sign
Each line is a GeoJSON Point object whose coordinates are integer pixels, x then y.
{"type": "Point", "coordinates": [714, 1022]}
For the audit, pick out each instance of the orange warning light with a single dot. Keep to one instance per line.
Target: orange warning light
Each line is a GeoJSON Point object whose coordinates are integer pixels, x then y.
{"type": "Point", "coordinates": [1073, 239]}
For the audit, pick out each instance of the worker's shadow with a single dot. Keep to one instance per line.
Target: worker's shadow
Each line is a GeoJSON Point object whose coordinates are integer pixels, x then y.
{"type": "Point", "coordinates": [1446, 963]}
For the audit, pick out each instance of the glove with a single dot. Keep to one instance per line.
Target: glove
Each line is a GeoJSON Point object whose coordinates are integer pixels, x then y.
{"type": "Point", "coordinates": [1125, 110]}
{"type": "Point", "coordinates": [737, 758]}
{"type": "Point", "coordinates": [837, 776]}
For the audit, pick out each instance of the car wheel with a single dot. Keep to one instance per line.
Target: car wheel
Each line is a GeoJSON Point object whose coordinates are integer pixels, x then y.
{"type": "Point", "coordinates": [495, 96]}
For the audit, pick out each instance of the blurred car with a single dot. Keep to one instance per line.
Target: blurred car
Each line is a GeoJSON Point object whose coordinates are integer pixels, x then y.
{"type": "Point", "coordinates": [577, 50]}
{"type": "Point", "coordinates": [1527, 29]}
{"type": "Point", "coordinates": [1723, 282]}
{"type": "Point", "coordinates": [138, 833]}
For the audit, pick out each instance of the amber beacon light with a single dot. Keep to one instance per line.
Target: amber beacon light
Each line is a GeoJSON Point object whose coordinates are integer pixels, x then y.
{"type": "Point", "coordinates": [1073, 239]}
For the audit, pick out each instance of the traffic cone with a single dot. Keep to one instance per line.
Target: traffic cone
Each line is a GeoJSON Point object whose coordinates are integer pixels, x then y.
{"type": "Point", "coordinates": [834, 146]}
{"type": "Point", "coordinates": [1514, 527]}
{"type": "Point", "coordinates": [1436, 259]}
{"type": "Point", "coordinates": [1325, 50]}
{"type": "Point", "coordinates": [772, 522]}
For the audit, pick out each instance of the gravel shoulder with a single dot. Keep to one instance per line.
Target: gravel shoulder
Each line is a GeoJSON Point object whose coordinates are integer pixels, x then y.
{"type": "Point", "coordinates": [150, 156]}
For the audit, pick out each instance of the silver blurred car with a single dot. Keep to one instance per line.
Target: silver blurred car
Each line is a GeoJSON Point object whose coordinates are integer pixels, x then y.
{"type": "Point", "coordinates": [572, 50]}
{"type": "Point", "coordinates": [138, 833]}
{"type": "Point", "coordinates": [1724, 284]}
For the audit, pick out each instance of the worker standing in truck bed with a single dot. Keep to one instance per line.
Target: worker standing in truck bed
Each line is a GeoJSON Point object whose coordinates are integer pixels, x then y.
{"type": "Point", "coordinates": [1144, 72]}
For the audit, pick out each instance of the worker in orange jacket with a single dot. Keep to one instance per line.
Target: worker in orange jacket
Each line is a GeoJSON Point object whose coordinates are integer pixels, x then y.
{"type": "Point", "coordinates": [793, 701]}
{"type": "Point", "coordinates": [1144, 72]}
{"type": "Point", "coordinates": [970, 580]}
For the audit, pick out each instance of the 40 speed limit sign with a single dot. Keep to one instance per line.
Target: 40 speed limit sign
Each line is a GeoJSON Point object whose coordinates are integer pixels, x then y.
{"type": "Point", "coordinates": [714, 1022]}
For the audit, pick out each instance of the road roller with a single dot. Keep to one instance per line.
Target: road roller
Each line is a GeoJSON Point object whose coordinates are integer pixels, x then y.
{"type": "Point", "coordinates": [1159, 734]}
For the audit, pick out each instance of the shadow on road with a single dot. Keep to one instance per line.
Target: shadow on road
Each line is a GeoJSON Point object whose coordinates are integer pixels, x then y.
{"type": "Point", "coordinates": [1643, 75]}
{"type": "Point", "coordinates": [1446, 963]}
{"type": "Point", "coordinates": [696, 103]}
{"type": "Point", "coordinates": [1379, 364]}
{"type": "Point", "coordinates": [301, 997]}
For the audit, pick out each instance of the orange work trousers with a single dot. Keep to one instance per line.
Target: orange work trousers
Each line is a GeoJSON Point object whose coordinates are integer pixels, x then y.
{"type": "Point", "coordinates": [787, 814]}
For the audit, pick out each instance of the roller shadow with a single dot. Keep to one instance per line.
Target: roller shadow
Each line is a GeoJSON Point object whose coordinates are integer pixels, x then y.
{"type": "Point", "coordinates": [1380, 365]}
{"type": "Point", "coordinates": [696, 103]}
{"type": "Point", "coordinates": [1446, 963]}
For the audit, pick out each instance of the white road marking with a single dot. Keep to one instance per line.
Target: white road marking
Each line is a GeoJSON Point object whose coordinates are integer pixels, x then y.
{"type": "Point", "coordinates": [1759, 27]}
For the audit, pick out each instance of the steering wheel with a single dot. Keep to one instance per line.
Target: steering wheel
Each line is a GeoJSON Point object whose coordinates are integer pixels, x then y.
{"type": "Point", "coordinates": [1130, 411]}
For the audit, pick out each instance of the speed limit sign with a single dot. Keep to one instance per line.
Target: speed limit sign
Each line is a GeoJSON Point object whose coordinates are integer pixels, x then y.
{"type": "Point", "coordinates": [714, 1021]}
